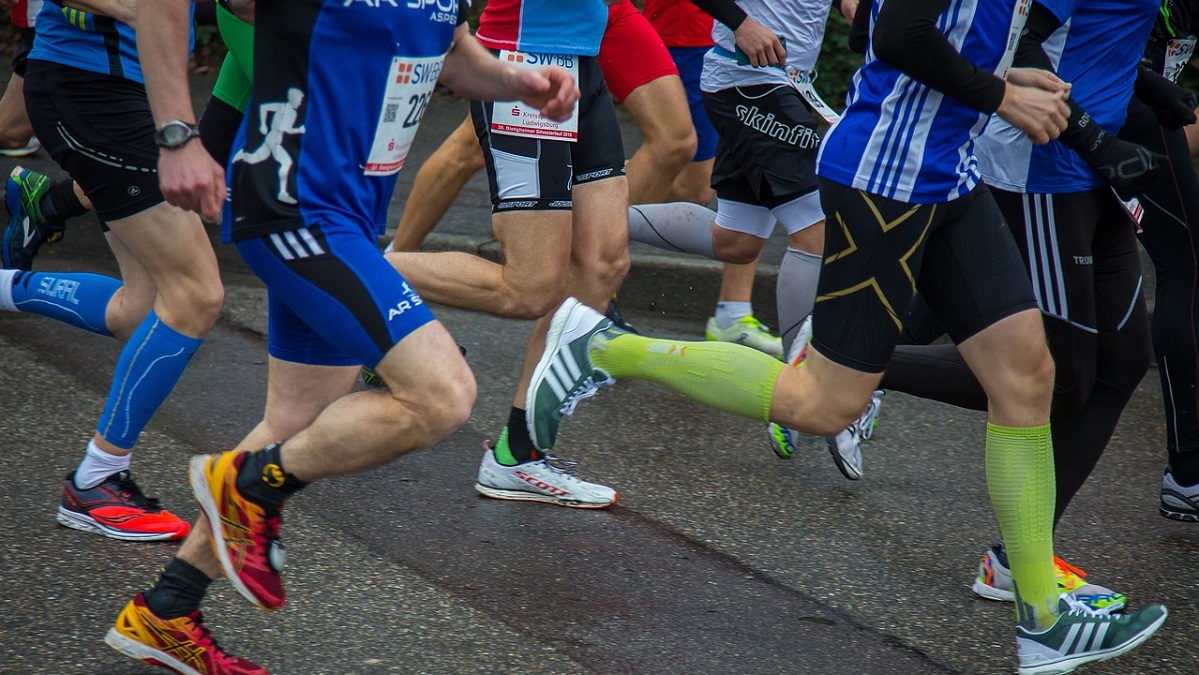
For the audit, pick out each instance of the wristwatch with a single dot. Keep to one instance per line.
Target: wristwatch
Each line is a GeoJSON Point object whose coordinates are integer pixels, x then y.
{"type": "Point", "coordinates": [175, 134]}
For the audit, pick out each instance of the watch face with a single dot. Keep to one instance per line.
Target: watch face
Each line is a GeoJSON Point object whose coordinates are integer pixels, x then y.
{"type": "Point", "coordinates": [174, 135]}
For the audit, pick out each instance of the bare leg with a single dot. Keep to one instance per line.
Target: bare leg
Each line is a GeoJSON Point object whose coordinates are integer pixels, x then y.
{"type": "Point", "coordinates": [659, 107]}
{"type": "Point", "coordinates": [437, 185]}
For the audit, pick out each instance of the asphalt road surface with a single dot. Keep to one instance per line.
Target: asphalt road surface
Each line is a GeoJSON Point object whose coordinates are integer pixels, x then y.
{"type": "Point", "coordinates": [719, 557]}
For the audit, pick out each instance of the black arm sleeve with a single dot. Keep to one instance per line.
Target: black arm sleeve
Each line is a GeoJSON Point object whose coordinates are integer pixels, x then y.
{"type": "Point", "coordinates": [906, 37]}
{"type": "Point", "coordinates": [724, 11]}
{"type": "Point", "coordinates": [859, 32]}
{"type": "Point", "coordinates": [1040, 25]}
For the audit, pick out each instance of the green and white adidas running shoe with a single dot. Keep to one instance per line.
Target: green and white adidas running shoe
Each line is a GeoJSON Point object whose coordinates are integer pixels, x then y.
{"type": "Point", "coordinates": [1082, 635]}
{"type": "Point", "coordinates": [564, 375]}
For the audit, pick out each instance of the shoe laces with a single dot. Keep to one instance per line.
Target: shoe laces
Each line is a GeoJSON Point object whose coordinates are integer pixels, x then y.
{"type": "Point", "coordinates": [1069, 576]}
{"type": "Point", "coordinates": [585, 390]}
{"type": "Point", "coordinates": [1077, 607]}
{"type": "Point", "coordinates": [568, 468]}
{"type": "Point", "coordinates": [865, 423]}
{"type": "Point", "coordinates": [207, 640]}
{"type": "Point", "coordinates": [133, 494]}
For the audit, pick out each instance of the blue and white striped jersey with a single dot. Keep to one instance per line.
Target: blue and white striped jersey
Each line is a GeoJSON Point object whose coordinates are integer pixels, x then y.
{"type": "Point", "coordinates": [1097, 50]}
{"type": "Point", "coordinates": [906, 141]}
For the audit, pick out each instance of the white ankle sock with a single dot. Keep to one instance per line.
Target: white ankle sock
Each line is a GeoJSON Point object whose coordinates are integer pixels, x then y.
{"type": "Point", "coordinates": [98, 465]}
{"type": "Point", "coordinates": [728, 313]}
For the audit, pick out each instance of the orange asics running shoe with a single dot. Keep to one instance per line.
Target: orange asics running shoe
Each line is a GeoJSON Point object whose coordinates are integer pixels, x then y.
{"type": "Point", "coordinates": [245, 536]}
{"type": "Point", "coordinates": [183, 645]}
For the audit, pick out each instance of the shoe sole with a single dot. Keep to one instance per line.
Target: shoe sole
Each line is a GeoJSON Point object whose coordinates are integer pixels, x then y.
{"type": "Point", "coordinates": [521, 496]}
{"type": "Point", "coordinates": [1182, 516]}
{"type": "Point", "coordinates": [198, 476]}
{"type": "Point", "coordinates": [843, 466]}
{"type": "Point", "coordinates": [85, 523]}
{"type": "Point", "coordinates": [781, 449]}
{"type": "Point", "coordinates": [1070, 663]}
{"type": "Point", "coordinates": [145, 653]}
{"type": "Point", "coordinates": [982, 590]}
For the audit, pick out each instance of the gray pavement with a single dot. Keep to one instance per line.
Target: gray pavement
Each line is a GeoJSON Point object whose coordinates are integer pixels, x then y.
{"type": "Point", "coordinates": [719, 557]}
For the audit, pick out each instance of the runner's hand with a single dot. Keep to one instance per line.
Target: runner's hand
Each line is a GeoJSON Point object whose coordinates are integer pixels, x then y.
{"type": "Point", "coordinates": [1039, 113]}
{"type": "Point", "coordinates": [551, 90]}
{"type": "Point", "coordinates": [760, 44]}
{"type": "Point", "coordinates": [1038, 79]}
{"type": "Point", "coordinates": [190, 179]}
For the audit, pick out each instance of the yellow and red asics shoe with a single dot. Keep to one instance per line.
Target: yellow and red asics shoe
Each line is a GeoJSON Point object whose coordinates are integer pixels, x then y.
{"type": "Point", "coordinates": [117, 509]}
{"type": "Point", "coordinates": [245, 535]}
{"type": "Point", "coordinates": [182, 645]}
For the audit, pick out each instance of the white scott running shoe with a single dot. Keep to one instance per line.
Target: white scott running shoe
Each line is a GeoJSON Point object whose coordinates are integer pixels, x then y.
{"type": "Point", "coordinates": [564, 375]}
{"type": "Point", "coordinates": [846, 447]}
{"type": "Point", "coordinates": [549, 480]}
{"type": "Point", "coordinates": [746, 331]}
{"type": "Point", "coordinates": [1179, 502]}
{"type": "Point", "coordinates": [1081, 635]}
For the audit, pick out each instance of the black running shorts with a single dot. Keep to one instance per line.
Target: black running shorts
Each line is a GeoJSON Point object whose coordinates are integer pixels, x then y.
{"type": "Point", "coordinates": [100, 130]}
{"type": "Point", "coordinates": [538, 174]}
{"type": "Point", "coordinates": [878, 251]}
{"type": "Point", "coordinates": [766, 154]}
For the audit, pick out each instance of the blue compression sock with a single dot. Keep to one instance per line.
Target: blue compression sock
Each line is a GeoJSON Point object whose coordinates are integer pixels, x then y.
{"type": "Point", "coordinates": [150, 365]}
{"type": "Point", "coordinates": [75, 298]}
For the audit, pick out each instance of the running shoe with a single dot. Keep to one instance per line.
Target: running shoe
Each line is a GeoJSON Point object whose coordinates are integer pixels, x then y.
{"type": "Point", "coordinates": [548, 480]}
{"type": "Point", "coordinates": [846, 447]}
{"type": "Point", "coordinates": [24, 151]}
{"type": "Point", "coordinates": [371, 379]}
{"type": "Point", "coordinates": [618, 320]}
{"type": "Point", "coordinates": [1179, 502]}
{"type": "Point", "coordinates": [1082, 635]}
{"type": "Point", "coordinates": [183, 645]}
{"type": "Point", "coordinates": [117, 509]}
{"type": "Point", "coordinates": [245, 535]}
{"type": "Point", "coordinates": [994, 582]}
{"type": "Point", "coordinates": [564, 375]}
{"type": "Point", "coordinates": [746, 331]}
{"type": "Point", "coordinates": [27, 229]}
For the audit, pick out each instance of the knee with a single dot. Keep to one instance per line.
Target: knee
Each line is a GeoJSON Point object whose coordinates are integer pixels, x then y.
{"type": "Point", "coordinates": [206, 301]}
{"type": "Point", "coordinates": [453, 401]}
{"type": "Point", "coordinates": [738, 250]}
{"type": "Point", "coordinates": [532, 303]}
{"type": "Point", "coordinates": [674, 148]}
{"type": "Point", "coordinates": [607, 271]}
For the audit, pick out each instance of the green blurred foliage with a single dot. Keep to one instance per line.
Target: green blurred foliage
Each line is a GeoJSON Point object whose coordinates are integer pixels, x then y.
{"type": "Point", "coordinates": [836, 64]}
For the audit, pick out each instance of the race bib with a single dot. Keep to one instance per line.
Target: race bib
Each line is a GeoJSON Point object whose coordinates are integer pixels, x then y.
{"type": "Point", "coordinates": [1019, 18]}
{"type": "Point", "coordinates": [802, 81]}
{"type": "Point", "coordinates": [513, 118]}
{"type": "Point", "coordinates": [410, 83]}
{"type": "Point", "coordinates": [1178, 54]}
{"type": "Point", "coordinates": [1132, 207]}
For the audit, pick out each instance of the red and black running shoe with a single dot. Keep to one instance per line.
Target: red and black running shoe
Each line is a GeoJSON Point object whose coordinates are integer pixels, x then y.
{"type": "Point", "coordinates": [117, 508]}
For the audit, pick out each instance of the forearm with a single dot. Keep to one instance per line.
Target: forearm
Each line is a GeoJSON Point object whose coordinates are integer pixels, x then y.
{"type": "Point", "coordinates": [726, 12]}
{"type": "Point", "coordinates": [162, 48]}
{"type": "Point", "coordinates": [907, 37]}
{"type": "Point", "coordinates": [472, 71]}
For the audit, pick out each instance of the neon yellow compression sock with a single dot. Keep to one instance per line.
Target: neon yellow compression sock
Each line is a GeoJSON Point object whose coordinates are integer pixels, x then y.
{"type": "Point", "coordinates": [728, 377]}
{"type": "Point", "coordinates": [1021, 482]}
